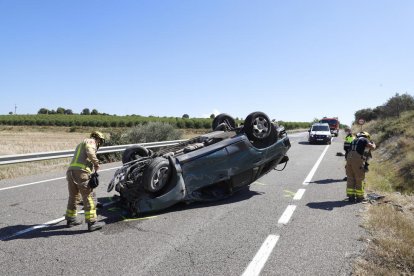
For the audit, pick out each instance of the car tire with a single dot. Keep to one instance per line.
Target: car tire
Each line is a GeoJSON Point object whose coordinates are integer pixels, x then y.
{"type": "Point", "coordinates": [133, 152]}
{"type": "Point", "coordinates": [257, 126]}
{"type": "Point", "coordinates": [156, 175]}
{"type": "Point", "coordinates": [221, 118]}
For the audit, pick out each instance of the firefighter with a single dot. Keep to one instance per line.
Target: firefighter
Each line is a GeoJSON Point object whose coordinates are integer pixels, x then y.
{"type": "Point", "coordinates": [355, 170]}
{"type": "Point", "coordinates": [83, 163]}
{"type": "Point", "coordinates": [348, 140]}
{"type": "Point", "coordinates": [347, 144]}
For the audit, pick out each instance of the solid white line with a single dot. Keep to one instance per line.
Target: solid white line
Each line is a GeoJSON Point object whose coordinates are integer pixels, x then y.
{"type": "Point", "coordinates": [259, 260]}
{"type": "Point", "coordinates": [284, 219]}
{"type": "Point", "coordinates": [315, 167]}
{"type": "Point", "coordinates": [48, 180]}
{"type": "Point", "coordinates": [299, 194]}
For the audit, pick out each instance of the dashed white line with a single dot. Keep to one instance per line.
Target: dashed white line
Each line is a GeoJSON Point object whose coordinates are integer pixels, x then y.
{"type": "Point", "coordinates": [299, 194]}
{"type": "Point", "coordinates": [287, 214]}
{"type": "Point", "coordinates": [259, 260]}
{"type": "Point", "coordinates": [48, 180]}
{"type": "Point", "coordinates": [315, 167]}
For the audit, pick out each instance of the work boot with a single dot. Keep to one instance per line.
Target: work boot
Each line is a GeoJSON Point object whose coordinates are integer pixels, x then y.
{"type": "Point", "coordinates": [73, 222]}
{"type": "Point", "coordinates": [92, 226]}
{"type": "Point", "coordinates": [359, 199]}
{"type": "Point", "coordinates": [351, 199]}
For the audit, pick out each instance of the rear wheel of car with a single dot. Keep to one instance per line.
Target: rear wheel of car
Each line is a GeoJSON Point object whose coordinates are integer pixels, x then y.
{"type": "Point", "coordinates": [156, 175]}
{"type": "Point", "coordinates": [223, 118]}
{"type": "Point", "coordinates": [133, 153]}
{"type": "Point", "coordinates": [257, 126]}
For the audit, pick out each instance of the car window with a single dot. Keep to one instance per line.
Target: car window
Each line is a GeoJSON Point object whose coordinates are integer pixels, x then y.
{"type": "Point", "coordinates": [331, 122]}
{"type": "Point", "coordinates": [320, 128]}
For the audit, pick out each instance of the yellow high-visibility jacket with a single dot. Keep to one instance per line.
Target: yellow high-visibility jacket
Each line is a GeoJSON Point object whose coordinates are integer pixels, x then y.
{"type": "Point", "coordinates": [85, 156]}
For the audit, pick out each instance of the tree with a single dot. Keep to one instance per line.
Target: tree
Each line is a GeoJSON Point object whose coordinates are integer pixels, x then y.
{"type": "Point", "coordinates": [186, 116]}
{"type": "Point", "coordinates": [86, 111]}
{"type": "Point", "coordinates": [43, 111]}
{"type": "Point", "coordinates": [11, 113]}
{"type": "Point", "coordinates": [60, 110]}
{"type": "Point", "coordinates": [367, 114]}
{"type": "Point", "coordinates": [94, 112]}
{"type": "Point", "coordinates": [68, 112]}
{"type": "Point", "coordinates": [398, 104]}
{"type": "Point", "coordinates": [212, 116]}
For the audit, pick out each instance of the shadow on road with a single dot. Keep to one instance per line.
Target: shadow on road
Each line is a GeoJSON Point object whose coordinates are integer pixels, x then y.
{"type": "Point", "coordinates": [15, 232]}
{"type": "Point", "coordinates": [110, 215]}
{"type": "Point", "coordinates": [328, 205]}
{"type": "Point", "coordinates": [327, 181]}
{"type": "Point", "coordinates": [314, 144]}
{"type": "Point", "coordinates": [244, 194]}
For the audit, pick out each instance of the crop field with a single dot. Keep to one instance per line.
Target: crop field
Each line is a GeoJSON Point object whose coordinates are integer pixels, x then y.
{"type": "Point", "coordinates": [98, 120]}
{"type": "Point", "coordinates": [106, 121]}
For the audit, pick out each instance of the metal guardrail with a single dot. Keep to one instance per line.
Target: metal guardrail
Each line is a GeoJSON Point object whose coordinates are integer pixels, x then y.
{"type": "Point", "coordinates": [38, 156]}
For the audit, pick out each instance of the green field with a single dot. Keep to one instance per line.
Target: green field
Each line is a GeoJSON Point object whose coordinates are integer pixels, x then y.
{"type": "Point", "coordinates": [104, 121]}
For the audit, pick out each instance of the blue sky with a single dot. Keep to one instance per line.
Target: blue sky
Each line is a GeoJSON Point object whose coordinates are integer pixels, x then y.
{"type": "Point", "coordinates": [294, 60]}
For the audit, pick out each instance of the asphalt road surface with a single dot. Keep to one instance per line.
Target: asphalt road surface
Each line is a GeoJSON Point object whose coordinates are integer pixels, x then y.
{"type": "Point", "coordinates": [290, 222]}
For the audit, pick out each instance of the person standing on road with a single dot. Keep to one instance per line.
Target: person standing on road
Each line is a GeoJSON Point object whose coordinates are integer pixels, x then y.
{"type": "Point", "coordinates": [83, 163]}
{"type": "Point", "coordinates": [355, 170]}
{"type": "Point", "coordinates": [347, 143]}
{"type": "Point", "coordinates": [348, 140]}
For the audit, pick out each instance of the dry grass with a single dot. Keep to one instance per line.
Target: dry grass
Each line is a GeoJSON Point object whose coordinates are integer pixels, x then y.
{"type": "Point", "coordinates": [18, 140]}
{"type": "Point", "coordinates": [23, 139]}
{"type": "Point", "coordinates": [390, 222]}
{"type": "Point", "coordinates": [33, 168]}
{"type": "Point", "coordinates": [391, 248]}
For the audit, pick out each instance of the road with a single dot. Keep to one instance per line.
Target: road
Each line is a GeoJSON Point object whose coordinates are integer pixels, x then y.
{"type": "Point", "coordinates": [290, 222]}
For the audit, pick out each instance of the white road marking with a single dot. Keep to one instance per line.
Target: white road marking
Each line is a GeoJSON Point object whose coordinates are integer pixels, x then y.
{"type": "Point", "coordinates": [299, 194]}
{"type": "Point", "coordinates": [46, 224]}
{"type": "Point", "coordinates": [315, 167]}
{"type": "Point", "coordinates": [48, 180]}
{"type": "Point", "coordinates": [287, 214]}
{"type": "Point", "coordinates": [259, 260]}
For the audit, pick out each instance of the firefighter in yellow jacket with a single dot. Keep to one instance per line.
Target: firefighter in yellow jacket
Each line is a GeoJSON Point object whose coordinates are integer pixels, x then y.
{"type": "Point", "coordinates": [83, 163]}
{"type": "Point", "coordinates": [355, 167]}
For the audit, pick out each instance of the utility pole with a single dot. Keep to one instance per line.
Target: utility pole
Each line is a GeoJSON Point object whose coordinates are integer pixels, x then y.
{"type": "Point", "coordinates": [15, 108]}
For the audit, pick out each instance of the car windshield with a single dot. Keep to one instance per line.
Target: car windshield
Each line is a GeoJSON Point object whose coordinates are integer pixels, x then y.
{"type": "Point", "coordinates": [331, 122]}
{"type": "Point", "coordinates": [320, 128]}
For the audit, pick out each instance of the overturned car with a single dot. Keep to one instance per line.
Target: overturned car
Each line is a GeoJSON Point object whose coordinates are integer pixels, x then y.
{"type": "Point", "coordinates": [205, 168]}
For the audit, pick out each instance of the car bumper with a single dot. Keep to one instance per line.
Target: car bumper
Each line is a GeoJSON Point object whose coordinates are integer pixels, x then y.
{"type": "Point", "coordinates": [319, 139]}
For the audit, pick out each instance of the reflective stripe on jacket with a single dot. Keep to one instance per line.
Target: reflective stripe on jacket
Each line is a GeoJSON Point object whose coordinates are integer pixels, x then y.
{"type": "Point", "coordinates": [85, 156]}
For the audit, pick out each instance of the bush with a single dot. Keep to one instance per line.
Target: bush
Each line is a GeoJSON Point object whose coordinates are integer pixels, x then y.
{"type": "Point", "coordinates": [152, 132]}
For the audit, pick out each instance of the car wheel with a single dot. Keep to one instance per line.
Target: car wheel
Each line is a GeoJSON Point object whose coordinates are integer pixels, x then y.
{"type": "Point", "coordinates": [133, 152]}
{"type": "Point", "coordinates": [156, 175]}
{"type": "Point", "coordinates": [257, 126]}
{"type": "Point", "coordinates": [223, 118]}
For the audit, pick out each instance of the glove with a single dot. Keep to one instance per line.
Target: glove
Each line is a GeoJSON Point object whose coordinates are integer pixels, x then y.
{"type": "Point", "coordinates": [94, 180]}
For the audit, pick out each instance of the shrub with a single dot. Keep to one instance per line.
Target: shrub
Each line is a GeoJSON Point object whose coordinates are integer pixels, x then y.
{"type": "Point", "coordinates": [152, 132]}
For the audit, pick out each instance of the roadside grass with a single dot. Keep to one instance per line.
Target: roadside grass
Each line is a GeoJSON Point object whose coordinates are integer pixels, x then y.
{"type": "Point", "coordinates": [30, 139]}
{"type": "Point", "coordinates": [390, 221]}
{"type": "Point", "coordinates": [33, 168]}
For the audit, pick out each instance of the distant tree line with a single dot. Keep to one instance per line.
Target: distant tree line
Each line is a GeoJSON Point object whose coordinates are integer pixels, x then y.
{"type": "Point", "coordinates": [64, 111]}
{"type": "Point", "coordinates": [392, 108]}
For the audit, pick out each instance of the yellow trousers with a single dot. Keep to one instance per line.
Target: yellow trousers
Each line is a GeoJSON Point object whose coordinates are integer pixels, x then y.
{"type": "Point", "coordinates": [355, 174]}
{"type": "Point", "coordinates": [78, 184]}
